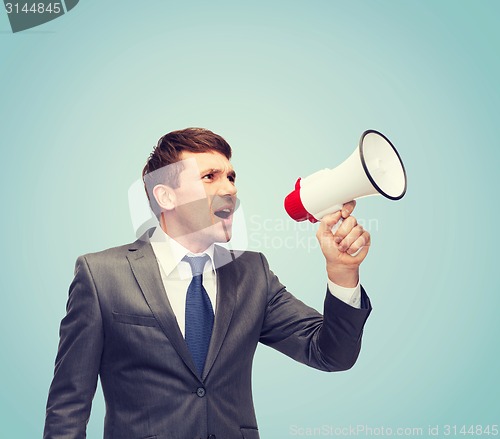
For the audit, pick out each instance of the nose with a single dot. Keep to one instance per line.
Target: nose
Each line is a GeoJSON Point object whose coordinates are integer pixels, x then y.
{"type": "Point", "coordinates": [228, 187]}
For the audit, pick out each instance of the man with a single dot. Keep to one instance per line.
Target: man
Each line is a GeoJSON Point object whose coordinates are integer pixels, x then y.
{"type": "Point", "coordinates": [171, 322]}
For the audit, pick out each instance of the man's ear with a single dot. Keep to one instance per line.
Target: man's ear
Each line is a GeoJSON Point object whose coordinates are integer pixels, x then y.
{"type": "Point", "coordinates": [165, 196]}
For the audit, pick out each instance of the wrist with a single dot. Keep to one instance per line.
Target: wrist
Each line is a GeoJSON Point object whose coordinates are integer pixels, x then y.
{"type": "Point", "coordinates": [347, 277]}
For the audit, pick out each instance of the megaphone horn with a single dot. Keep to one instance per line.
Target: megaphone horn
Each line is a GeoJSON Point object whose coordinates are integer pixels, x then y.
{"type": "Point", "coordinates": [374, 168]}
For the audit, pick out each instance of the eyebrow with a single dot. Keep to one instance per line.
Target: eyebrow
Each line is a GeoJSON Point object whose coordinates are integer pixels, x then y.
{"type": "Point", "coordinates": [216, 171]}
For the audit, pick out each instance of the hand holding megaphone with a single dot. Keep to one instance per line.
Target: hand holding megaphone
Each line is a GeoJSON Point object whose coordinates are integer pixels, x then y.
{"type": "Point", "coordinates": [374, 168]}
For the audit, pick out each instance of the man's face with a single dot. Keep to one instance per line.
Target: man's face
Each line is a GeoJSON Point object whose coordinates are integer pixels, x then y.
{"type": "Point", "coordinates": [205, 200]}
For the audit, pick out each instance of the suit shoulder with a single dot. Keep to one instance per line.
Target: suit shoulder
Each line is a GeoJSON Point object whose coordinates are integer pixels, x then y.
{"type": "Point", "coordinates": [111, 254]}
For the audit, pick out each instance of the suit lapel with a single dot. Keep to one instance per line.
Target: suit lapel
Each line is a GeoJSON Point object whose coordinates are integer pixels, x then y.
{"type": "Point", "coordinates": [226, 299]}
{"type": "Point", "coordinates": [145, 268]}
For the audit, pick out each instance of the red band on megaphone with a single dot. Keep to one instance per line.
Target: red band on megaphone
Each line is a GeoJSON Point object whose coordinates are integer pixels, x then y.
{"type": "Point", "coordinates": [294, 206]}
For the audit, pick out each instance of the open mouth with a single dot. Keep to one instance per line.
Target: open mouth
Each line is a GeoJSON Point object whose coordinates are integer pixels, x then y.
{"type": "Point", "coordinates": [224, 213]}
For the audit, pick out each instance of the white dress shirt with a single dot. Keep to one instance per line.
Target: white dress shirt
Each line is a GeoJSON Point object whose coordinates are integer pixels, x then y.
{"type": "Point", "coordinates": [176, 276]}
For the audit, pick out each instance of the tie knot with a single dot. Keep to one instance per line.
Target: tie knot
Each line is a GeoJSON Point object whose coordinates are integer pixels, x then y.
{"type": "Point", "coordinates": [197, 263]}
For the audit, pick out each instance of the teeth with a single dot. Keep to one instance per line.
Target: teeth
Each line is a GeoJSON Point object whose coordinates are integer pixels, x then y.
{"type": "Point", "coordinates": [223, 213]}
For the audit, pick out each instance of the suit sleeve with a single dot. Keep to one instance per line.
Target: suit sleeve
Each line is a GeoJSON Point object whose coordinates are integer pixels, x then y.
{"type": "Point", "coordinates": [78, 359]}
{"type": "Point", "coordinates": [329, 342]}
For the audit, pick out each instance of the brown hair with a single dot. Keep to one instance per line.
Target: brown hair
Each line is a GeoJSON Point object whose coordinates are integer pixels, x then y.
{"type": "Point", "coordinates": [158, 169]}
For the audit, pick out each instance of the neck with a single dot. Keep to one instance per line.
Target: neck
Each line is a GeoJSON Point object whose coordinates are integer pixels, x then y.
{"type": "Point", "coordinates": [191, 242]}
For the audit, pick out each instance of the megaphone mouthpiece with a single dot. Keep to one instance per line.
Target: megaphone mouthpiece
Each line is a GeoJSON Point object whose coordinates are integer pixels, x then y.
{"type": "Point", "coordinates": [294, 206]}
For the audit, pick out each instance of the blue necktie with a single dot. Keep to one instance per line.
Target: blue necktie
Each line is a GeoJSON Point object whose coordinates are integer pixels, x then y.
{"type": "Point", "coordinates": [199, 313]}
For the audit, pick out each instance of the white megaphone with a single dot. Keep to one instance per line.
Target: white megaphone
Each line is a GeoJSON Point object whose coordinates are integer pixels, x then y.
{"type": "Point", "coordinates": [374, 168]}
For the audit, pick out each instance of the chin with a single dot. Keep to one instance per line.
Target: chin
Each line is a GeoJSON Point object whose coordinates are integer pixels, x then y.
{"type": "Point", "coordinates": [223, 235]}
{"type": "Point", "coordinates": [220, 231]}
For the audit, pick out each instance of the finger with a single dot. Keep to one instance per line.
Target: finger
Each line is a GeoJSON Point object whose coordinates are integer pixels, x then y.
{"type": "Point", "coordinates": [361, 255]}
{"type": "Point", "coordinates": [348, 208]}
{"type": "Point", "coordinates": [359, 243]}
{"type": "Point", "coordinates": [351, 237]}
{"type": "Point", "coordinates": [357, 258]}
{"type": "Point", "coordinates": [328, 221]}
{"type": "Point", "coordinates": [347, 225]}
{"type": "Point", "coordinates": [324, 233]}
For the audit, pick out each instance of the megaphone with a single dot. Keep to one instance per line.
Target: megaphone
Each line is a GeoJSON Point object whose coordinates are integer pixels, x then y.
{"type": "Point", "coordinates": [374, 168]}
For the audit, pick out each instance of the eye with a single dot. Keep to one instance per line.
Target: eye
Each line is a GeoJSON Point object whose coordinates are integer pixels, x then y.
{"type": "Point", "coordinates": [231, 178]}
{"type": "Point", "coordinates": [208, 177]}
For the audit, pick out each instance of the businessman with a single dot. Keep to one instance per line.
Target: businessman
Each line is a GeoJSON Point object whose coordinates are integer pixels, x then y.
{"type": "Point", "coordinates": [170, 323]}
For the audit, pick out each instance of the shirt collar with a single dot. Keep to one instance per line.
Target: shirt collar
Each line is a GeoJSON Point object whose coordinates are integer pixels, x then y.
{"type": "Point", "coordinates": [170, 253]}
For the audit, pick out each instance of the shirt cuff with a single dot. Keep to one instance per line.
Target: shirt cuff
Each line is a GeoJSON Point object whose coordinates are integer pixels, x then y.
{"type": "Point", "coordinates": [351, 296]}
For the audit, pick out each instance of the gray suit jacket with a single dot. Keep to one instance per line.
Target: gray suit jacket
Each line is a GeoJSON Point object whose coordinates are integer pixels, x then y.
{"type": "Point", "coordinates": [120, 326]}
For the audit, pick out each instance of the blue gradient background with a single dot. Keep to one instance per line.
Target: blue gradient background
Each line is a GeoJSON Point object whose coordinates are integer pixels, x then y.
{"type": "Point", "coordinates": [291, 85]}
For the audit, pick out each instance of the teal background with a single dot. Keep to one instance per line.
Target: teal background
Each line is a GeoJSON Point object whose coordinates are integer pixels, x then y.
{"type": "Point", "coordinates": [291, 85]}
